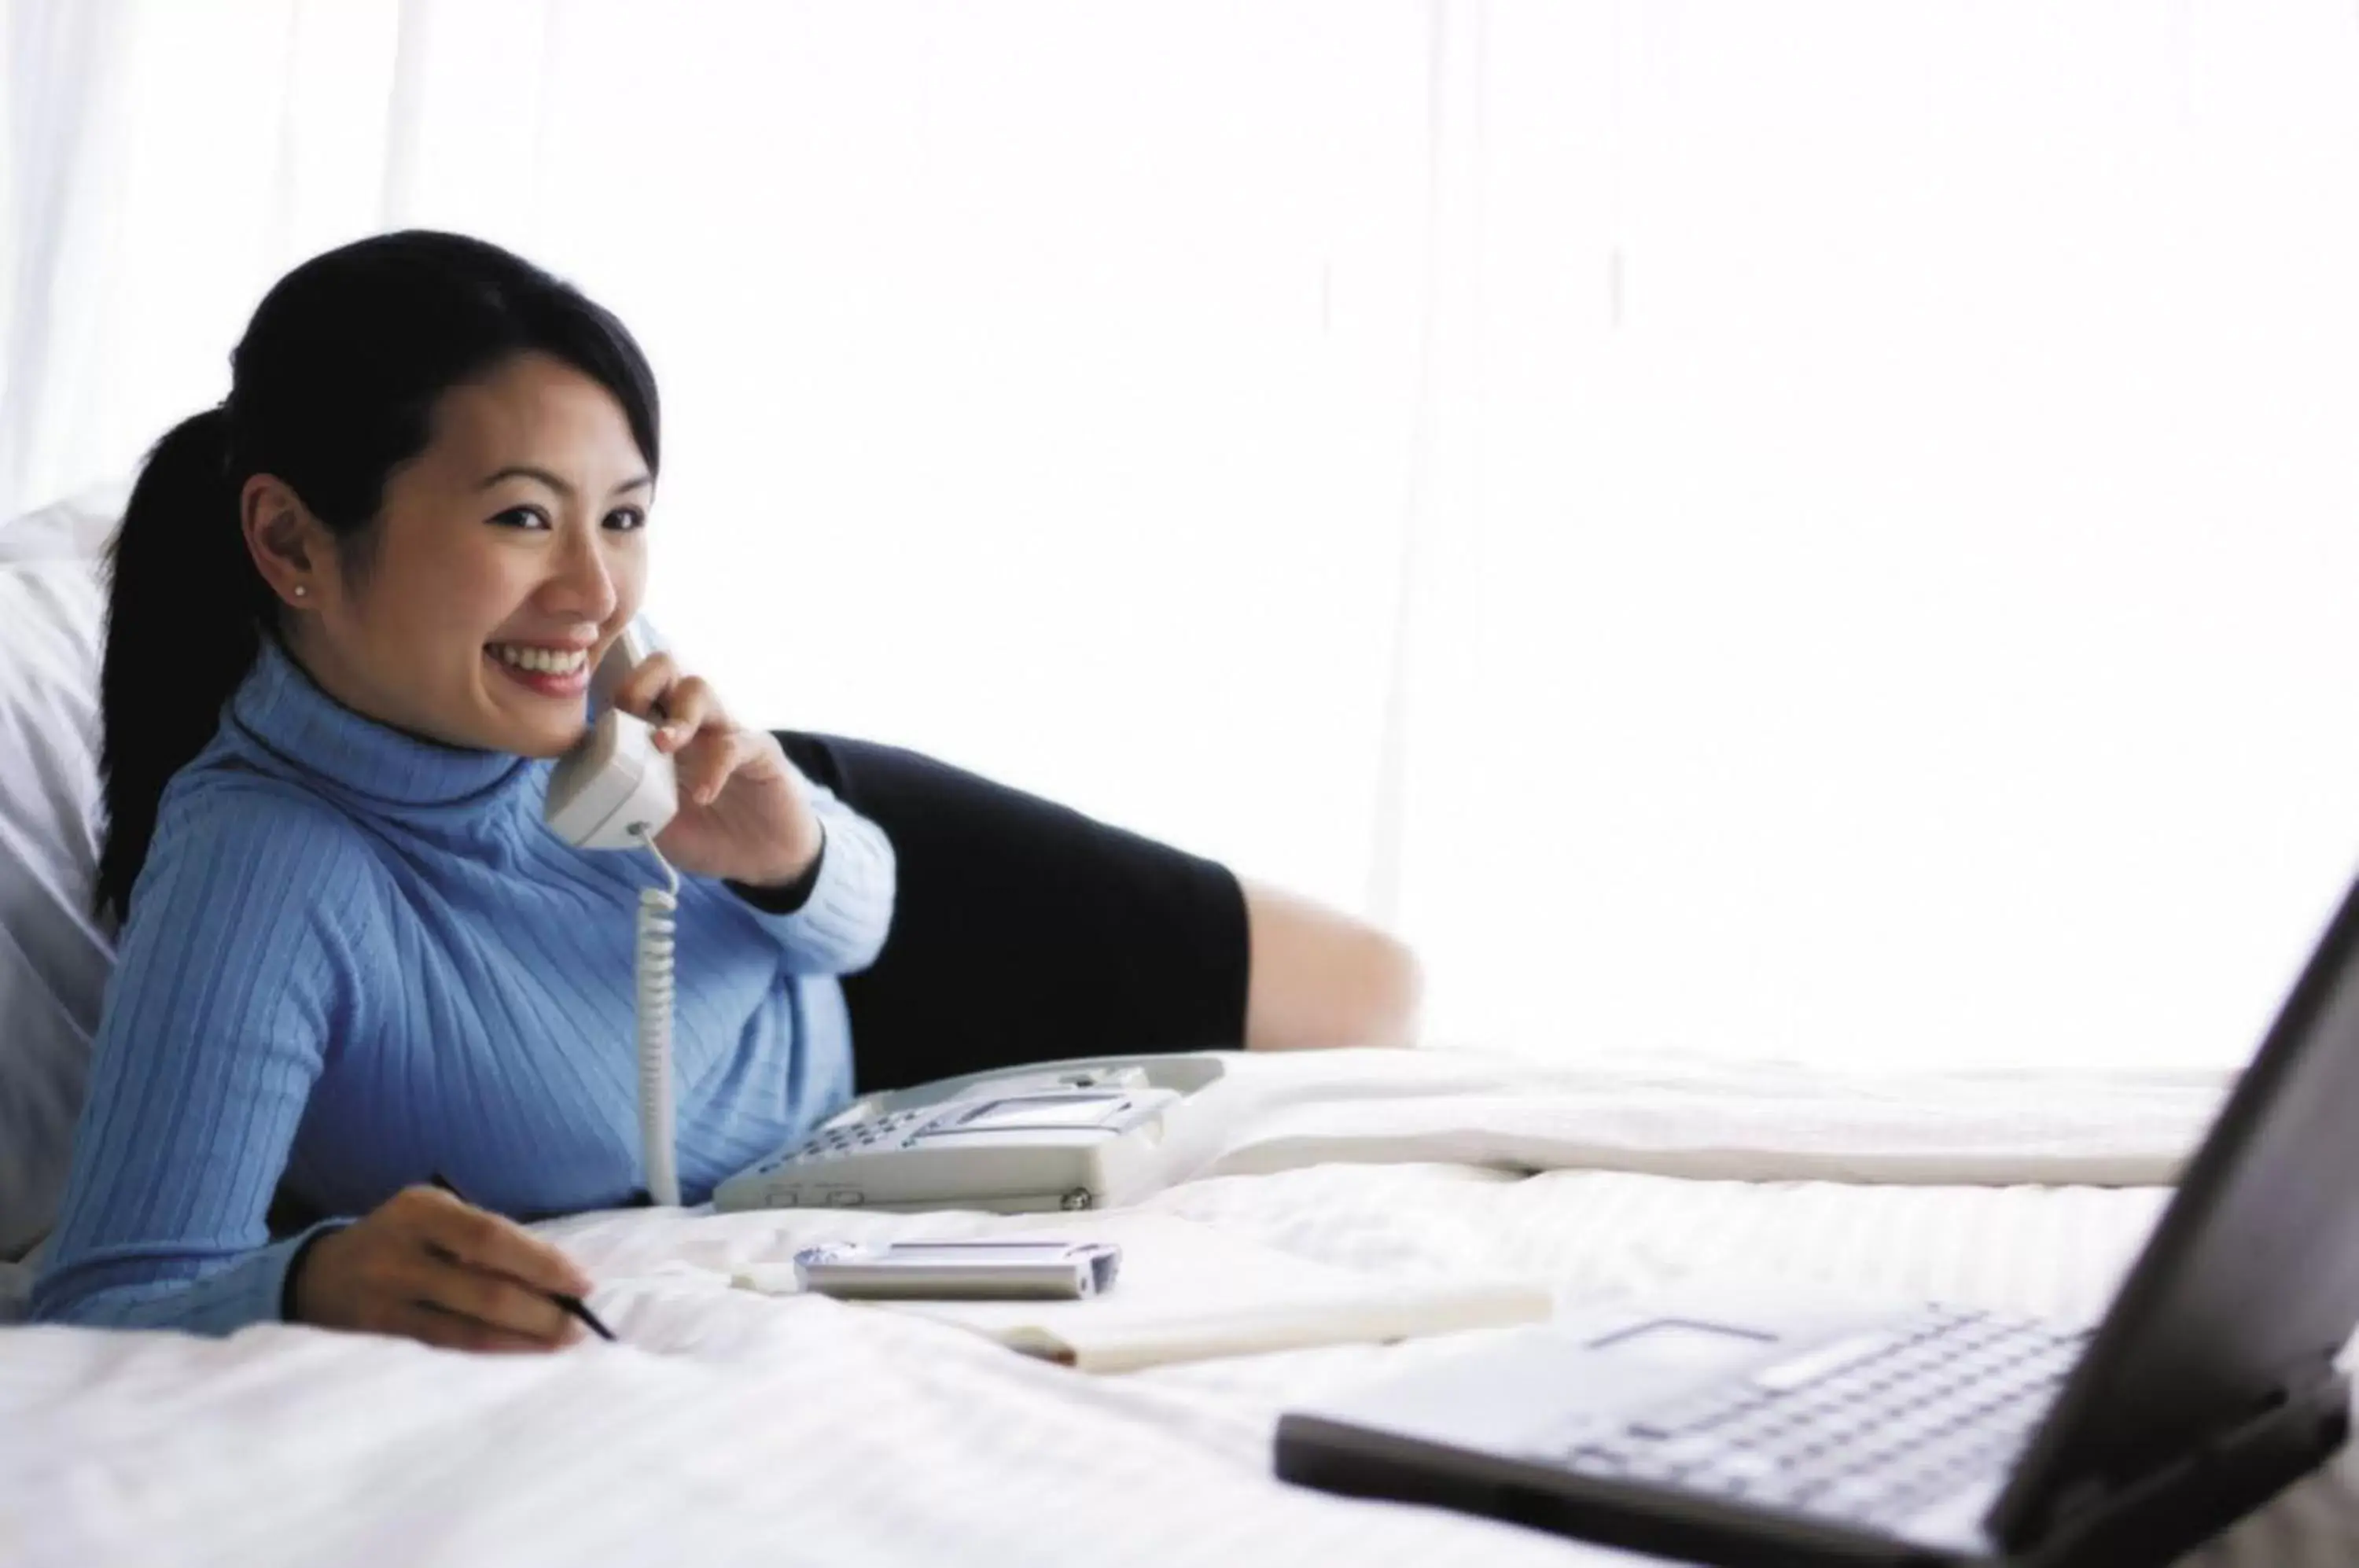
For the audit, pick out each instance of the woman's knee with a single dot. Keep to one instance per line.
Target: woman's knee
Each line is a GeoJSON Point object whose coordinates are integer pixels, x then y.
{"type": "Point", "coordinates": [1318, 977]}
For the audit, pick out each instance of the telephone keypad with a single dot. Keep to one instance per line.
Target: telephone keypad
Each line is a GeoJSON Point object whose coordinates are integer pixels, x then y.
{"type": "Point", "coordinates": [885, 1131]}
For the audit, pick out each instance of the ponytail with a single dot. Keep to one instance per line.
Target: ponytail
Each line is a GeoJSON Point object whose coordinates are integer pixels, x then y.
{"type": "Point", "coordinates": [185, 615]}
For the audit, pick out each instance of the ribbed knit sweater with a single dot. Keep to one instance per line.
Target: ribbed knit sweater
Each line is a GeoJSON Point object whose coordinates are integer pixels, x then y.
{"type": "Point", "coordinates": [356, 960]}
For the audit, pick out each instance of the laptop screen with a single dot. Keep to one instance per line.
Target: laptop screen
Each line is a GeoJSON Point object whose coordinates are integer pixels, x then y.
{"type": "Point", "coordinates": [2249, 1285]}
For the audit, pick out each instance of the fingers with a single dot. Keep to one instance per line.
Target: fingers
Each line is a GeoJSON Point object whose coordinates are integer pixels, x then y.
{"type": "Point", "coordinates": [492, 1308]}
{"type": "Point", "coordinates": [706, 745]}
{"type": "Point", "coordinates": [679, 705]}
{"type": "Point", "coordinates": [685, 710]}
{"type": "Point", "coordinates": [485, 1241]}
{"type": "Point", "coordinates": [645, 693]}
{"type": "Point", "coordinates": [482, 1282]}
{"type": "Point", "coordinates": [427, 1265]}
{"type": "Point", "coordinates": [690, 709]}
{"type": "Point", "coordinates": [715, 758]}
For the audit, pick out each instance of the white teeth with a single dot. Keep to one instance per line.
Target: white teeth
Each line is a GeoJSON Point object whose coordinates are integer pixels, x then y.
{"type": "Point", "coordinates": [542, 661]}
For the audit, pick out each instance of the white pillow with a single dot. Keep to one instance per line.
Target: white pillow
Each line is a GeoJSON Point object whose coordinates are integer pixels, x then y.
{"type": "Point", "coordinates": [55, 953]}
{"type": "Point", "coordinates": [77, 526]}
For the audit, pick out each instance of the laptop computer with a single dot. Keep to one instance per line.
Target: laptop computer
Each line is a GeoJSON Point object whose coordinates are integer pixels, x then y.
{"type": "Point", "coordinates": [1744, 1432]}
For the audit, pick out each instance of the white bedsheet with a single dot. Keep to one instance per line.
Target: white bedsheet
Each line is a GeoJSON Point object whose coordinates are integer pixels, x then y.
{"type": "Point", "coordinates": [737, 1428]}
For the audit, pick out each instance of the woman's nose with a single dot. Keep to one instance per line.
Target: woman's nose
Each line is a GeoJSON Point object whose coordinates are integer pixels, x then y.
{"type": "Point", "coordinates": [583, 585]}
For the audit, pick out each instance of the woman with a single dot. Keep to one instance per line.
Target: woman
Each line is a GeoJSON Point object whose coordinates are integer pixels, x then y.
{"type": "Point", "coordinates": [352, 615]}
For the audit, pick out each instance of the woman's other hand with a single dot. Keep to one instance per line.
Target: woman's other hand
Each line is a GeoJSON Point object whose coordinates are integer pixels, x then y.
{"type": "Point", "coordinates": [743, 812]}
{"type": "Point", "coordinates": [425, 1265]}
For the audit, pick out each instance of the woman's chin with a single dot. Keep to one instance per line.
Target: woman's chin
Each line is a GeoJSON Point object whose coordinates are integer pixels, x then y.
{"type": "Point", "coordinates": [546, 743]}
{"type": "Point", "coordinates": [537, 736]}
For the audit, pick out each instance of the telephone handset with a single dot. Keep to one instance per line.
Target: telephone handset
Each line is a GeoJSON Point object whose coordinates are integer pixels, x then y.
{"type": "Point", "coordinates": [613, 788]}
{"type": "Point", "coordinates": [616, 791]}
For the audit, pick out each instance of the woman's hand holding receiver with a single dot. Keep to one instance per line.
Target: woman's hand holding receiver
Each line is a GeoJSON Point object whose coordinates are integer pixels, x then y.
{"type": "Point", "coordinates": [743, 812]}
{"type": "Point", "coordinates": [425, 1266]}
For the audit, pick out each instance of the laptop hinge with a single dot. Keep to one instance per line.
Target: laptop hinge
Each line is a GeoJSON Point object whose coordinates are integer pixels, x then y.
{"type": "Point", "coordinates": [2185, 1499]}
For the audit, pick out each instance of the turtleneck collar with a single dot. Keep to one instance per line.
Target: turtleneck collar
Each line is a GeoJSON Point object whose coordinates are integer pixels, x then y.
{"type": "Point", "coordinates": [280, 709]}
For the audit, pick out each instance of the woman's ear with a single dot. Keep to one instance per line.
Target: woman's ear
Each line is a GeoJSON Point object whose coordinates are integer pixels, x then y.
{"type": "Point", "coordinates": [290, 547]}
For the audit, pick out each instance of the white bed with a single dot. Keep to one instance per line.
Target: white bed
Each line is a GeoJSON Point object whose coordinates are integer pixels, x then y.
{"type": "Point", "coordinates": [733, 1427]}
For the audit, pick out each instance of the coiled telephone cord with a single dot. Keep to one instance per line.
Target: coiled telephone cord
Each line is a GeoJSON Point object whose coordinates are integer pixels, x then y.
{"type": "Point", "coordinates": [658, 906]}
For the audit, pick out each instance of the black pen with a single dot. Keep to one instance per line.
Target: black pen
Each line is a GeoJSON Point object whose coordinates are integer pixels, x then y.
{"type": "Point", "coordinates": [573, 1306]}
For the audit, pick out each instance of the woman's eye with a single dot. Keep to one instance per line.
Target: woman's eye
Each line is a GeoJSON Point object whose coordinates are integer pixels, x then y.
{"type": "Point", "coordinates": [626, 518]}
{"type": "Point", "coordinates": [522, 517]}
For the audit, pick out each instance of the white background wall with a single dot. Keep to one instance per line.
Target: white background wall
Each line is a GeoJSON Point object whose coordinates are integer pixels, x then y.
{"type": "Point", "coordinates": [1823, 529]}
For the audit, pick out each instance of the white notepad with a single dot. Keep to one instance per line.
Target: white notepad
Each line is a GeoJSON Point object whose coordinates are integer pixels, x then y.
{"type": "Point", "coordinates": [1188, 1292]}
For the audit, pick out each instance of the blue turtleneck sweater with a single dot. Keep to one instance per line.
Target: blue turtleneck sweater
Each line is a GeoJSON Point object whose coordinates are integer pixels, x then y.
{"type": "Point", "coordinates": [356, 960]}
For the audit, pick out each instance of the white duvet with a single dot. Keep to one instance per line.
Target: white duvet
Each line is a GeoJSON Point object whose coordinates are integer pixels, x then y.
{"type": "Point", "coordinates": [731, 1427]}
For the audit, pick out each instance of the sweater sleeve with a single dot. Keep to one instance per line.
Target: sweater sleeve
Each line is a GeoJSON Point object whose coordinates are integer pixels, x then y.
{"type": "Point", "coordinates": [841, 928]}
{"type": "Point", "coordinates": [238, 967]}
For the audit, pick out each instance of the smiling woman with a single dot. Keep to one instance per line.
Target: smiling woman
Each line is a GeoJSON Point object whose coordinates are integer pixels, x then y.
{"type": "Point", "coordinates": [353, 612]}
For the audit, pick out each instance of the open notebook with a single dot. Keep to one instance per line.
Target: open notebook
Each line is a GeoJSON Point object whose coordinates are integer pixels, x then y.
{"type": "Point", "coordinates": [1188, 1292]}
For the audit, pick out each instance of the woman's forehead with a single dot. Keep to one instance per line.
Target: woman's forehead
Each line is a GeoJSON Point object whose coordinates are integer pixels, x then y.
{"type": "Point", "coordinates": [533, 412]}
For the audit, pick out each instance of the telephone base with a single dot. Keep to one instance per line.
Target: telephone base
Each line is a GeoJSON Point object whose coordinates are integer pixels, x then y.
{"type": "Point", "coordinates": [1053, 1137]}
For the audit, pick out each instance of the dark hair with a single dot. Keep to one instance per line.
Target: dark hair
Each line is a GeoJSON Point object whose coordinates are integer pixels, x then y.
{"type": "Point", "coordinates": [332, 387]}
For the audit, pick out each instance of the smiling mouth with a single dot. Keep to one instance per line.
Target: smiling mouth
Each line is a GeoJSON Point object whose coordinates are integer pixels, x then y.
{"type": "Point", "coordinates": [531, 660]}
{"type": "Point", "coordinates": [561, 674]}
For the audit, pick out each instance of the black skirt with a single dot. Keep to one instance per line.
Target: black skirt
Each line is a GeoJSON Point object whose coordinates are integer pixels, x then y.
{"type": "Point", "coordinates": [1023, 931]}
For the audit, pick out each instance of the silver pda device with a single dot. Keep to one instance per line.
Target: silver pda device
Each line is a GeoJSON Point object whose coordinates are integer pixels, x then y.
{"type": "Point", "coordinates": [960, 1270]}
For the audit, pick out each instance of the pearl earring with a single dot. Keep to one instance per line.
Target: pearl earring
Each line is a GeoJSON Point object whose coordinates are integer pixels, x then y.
{"type": "Point", "coordinates": [300, 591]}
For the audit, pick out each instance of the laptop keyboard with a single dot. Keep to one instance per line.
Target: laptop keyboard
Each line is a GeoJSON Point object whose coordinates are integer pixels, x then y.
{"type": "Point", "coordinates": [1867, 1429]}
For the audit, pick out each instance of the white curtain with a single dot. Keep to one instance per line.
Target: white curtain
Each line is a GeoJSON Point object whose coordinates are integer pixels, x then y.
{"type": "Point", "coordinates": [1822, 529]}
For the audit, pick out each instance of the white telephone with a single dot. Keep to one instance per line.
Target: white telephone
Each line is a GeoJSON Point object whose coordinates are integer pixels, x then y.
{"type": "Point", "coordinates": [616, 791]}
{"type": "Point", "coordinates": [1071, 1134]}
